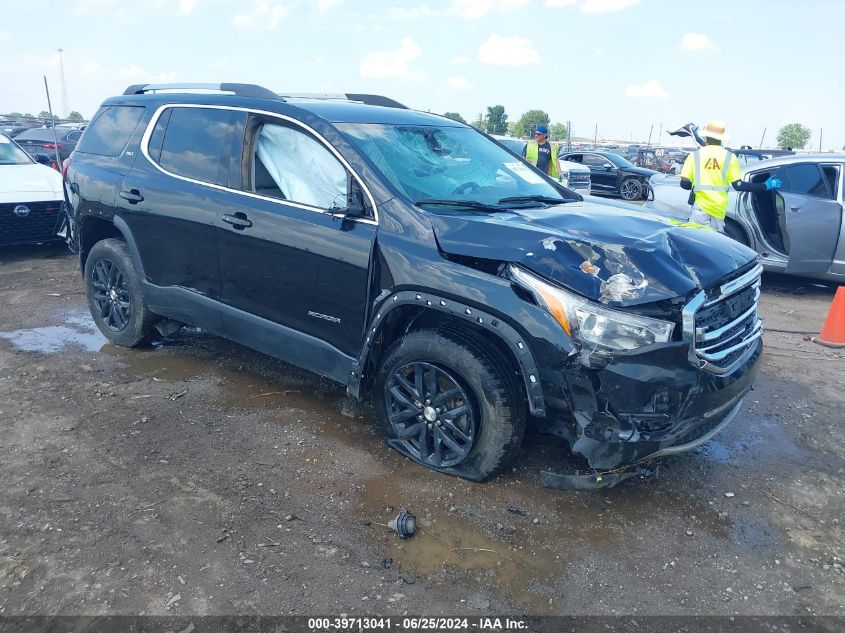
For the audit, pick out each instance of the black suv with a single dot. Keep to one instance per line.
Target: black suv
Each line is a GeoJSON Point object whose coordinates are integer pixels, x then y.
{"type": "Point", "coordinates": [414, 260]}
{"type": "Point", "coordinates": [612, 174]}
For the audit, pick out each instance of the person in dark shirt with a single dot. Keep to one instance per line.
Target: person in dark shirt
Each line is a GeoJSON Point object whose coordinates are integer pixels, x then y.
{"type": "Point", "coordinates": [539, 151]}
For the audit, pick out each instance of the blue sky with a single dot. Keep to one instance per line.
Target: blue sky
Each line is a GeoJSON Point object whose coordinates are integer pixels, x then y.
{"type": "Point", "coordinates": [623, 65]}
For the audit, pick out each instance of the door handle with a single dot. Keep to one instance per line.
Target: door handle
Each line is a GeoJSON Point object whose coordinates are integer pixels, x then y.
{"type": "Point", "coordinates": [132, 196]}
{"type": "Point", "coordinates": [238, 221]}
{"type": "Point", "coordinates": [795, 209]}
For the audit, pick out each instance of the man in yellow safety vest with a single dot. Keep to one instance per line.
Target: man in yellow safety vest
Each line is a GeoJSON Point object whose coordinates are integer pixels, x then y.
{"type": "Point", "coordinates": [540, 152]}
{"type": "Point", "coordinates": [710, 172]}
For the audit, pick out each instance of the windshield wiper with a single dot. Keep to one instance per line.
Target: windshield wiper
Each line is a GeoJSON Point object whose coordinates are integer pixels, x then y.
{"type": "Point", "coordinates": [469, 204]}
{"type": "Point", "coordinates": [542, 199]}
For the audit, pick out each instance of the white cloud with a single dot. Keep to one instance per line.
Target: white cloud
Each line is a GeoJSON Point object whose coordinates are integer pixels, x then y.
{"type": "Point", "coordinates": [696, 42]}
{"type": "Point", "coordinates": [320, 59]}
{"type": "Point", "coordinates": [265, 15]}
{"type": "Point", "coordinates": [395, 63]}
{"type": "Point", "coordinates": [133, 71]}
{"type": "Point", "coordinates": [325, 5]}
{"type": "Point", "coordinates": [508, 51]}
{"type": "Point", "coordinates": [651, 88]}
{"type": "Point", "coordinates": [474, 9]}
{"type": "Point", "coordinates": [401, 14]}
{"type": "Point", "coordinates": [460, 60]}
{"type": "Point", "coordinates": [458, 82]}
{"type": "Point", "coordinates": [606, 6]}
{"type": "Point", "coordinates": [186, 6]}
{"type": "Point", "coordinates": [560, 3]}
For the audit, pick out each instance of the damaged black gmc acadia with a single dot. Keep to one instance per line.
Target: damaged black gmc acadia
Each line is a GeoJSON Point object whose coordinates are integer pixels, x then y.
{"type": "Point", "coordinates": [418, 262]}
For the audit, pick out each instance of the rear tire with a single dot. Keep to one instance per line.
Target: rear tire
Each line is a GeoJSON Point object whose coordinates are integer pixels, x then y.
{"type": "Point", "coordinates": [473, 434]}
{"type": "Point", "coordinates": [113, 289]}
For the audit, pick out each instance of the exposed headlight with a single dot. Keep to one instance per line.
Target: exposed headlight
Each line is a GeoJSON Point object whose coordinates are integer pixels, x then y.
{"type": "Point", "coordinates": [590, 324]}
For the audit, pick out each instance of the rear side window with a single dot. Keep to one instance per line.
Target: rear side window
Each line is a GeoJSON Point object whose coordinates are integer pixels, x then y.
{"type": "Point", "coordinates": [806, 179]}
{"type": "Point", "coordinates": [192, 142]}
{"type": "Point", "coordinates": [110, 131]}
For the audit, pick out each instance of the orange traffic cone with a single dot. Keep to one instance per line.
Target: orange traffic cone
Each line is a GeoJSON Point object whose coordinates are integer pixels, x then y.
{"type": "Point", "coordinates": [833, 330]}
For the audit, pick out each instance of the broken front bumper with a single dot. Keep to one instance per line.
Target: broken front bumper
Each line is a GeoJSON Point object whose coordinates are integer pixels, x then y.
{"type": "Point", "coordinates": [642, 406]}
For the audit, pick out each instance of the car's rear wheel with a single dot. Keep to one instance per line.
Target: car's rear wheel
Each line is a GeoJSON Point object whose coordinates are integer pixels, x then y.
{"type": "Point", "coordinates": [112, 286]}
{"type": "Point", "coordinates": [631, 189]}
{"type": "Point", "coordinates": [448, 403]}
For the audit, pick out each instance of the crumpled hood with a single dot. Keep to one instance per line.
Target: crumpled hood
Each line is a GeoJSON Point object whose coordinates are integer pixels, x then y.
{"type": "Point", "coordinates": [583, 245]}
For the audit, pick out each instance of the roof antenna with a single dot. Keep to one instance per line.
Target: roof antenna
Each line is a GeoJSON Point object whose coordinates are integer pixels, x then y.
{"type": "Point", "coordinates": [53, 125]}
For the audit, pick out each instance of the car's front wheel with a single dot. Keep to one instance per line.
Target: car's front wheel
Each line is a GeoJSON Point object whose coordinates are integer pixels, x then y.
{"type": "Point", "coordinates": [449, 403]}
{"type": "Point", "coordinates": [112, 286]}
{"type": "Point", "coordinates": [631, 189]}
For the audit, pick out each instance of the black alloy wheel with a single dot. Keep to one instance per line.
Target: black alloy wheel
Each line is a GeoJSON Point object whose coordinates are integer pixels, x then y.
{"type": "Point", "coordinates": [111, 294]}
{"type": "Point", "coordinates": [631, 189]}
{"type": "Point", "coordinates": [431, 414]}
{"type": "Point", "coordinates": [447, 399]}
{"type": "Point", "coordinates": [113, 290]}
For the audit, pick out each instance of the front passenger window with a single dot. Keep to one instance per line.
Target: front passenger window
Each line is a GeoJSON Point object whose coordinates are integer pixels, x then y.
{"type": "Point", "coordinates": [292, 165]}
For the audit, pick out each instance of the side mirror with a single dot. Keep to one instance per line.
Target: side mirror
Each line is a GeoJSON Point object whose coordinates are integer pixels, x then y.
{"type": "Point", "coordinates": [42, 159]}
{"type": "Point", "coordinates": [355, 199]}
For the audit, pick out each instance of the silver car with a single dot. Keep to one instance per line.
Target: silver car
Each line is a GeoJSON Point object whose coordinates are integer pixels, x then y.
{"type": "Point", "coordinates": [797, 229]}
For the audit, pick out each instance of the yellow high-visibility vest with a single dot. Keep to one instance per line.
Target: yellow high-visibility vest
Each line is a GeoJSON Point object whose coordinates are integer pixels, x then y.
{"type": "Point", "coordinates": [532, 152]}
{"type": "Point", "coordinates": [711, 170]}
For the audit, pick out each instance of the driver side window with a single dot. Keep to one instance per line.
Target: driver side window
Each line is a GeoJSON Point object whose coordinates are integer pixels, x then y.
{"type": "Point", "coordinates": [289, 164]}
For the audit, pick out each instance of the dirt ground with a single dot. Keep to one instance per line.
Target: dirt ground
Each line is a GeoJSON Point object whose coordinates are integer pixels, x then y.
{"type": "Point", "coordinates": [199, 477]}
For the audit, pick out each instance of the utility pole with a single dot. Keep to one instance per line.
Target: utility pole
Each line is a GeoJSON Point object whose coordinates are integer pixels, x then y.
{"type": "Point", "coordinates": [761, 139]}
{"type": "Point", "coordinates": [569, 136]}
{"type": "Point", "coordinates": [821, 135]}
{"type": "Point", "coordinates": [596, 137]}
{"type": "Point", "coordinates": [651, 129]}
{"type": "Point", "coordinates": [64, 85]}
{"type": "Point", "coordinates": [660, 135]}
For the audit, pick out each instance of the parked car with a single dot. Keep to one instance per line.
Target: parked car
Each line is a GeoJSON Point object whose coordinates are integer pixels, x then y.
{"type": "Point", "coordinates": [573, 175]}
{"type": "Point", "coordinates": [648, 158]}
{"type": "Point", "coordinates": [410, 258]}
{"type": "Point", "coordinates": [31, 198]}
{"type": "Point", "coordinates": [795, 230]}
{"type": "Point", "coordinates": [43, 140]}
{"type": "Point", "coordinates": [612, 174]}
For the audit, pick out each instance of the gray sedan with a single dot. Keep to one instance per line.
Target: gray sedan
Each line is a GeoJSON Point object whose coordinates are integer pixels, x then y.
{"type": "Point", "coordinates": [795, 230]}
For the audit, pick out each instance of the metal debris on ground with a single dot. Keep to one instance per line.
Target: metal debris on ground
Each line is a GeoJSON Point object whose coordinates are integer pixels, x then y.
{"type": "Point", "coordinates": [177, 395]}
{"type": "Point", "coordinates": [404, 524]}
{"type": "Point", "coordinates": [516, 511]}
{"type": "Point", "coordinates": [595, 480]}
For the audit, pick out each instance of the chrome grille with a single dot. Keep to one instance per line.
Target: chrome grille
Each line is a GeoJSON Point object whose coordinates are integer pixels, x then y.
{"type": "Point", "coordinates": [721, 324]}
{"type": "Point", "coordinates": [579, 181]}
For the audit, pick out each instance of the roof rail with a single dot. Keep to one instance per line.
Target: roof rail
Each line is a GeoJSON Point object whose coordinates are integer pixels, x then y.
{"type": "Point", "coordinates": [377, 100]}
{"type": "Point", "coordinates": [241, 90]}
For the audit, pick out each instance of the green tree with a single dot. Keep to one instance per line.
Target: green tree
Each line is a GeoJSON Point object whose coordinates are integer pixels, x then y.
{"type": "Point", "coordinates": [13, 115]}
{"type": "Point", "coordinates": [557, 131]}
{"type": "Point", "coordinates": [44, 114]}
{"type": "Point", "coordinates": [529, 121]}
{"type": "Point", "coordinates": [28, 115]}
{"type": "Point", "coordinates": [794, 135]}
{"type": "Point", "coordinates": [75, 117]}
{"type": "Point", "coordinates": [478, 124]}
{"type": "Point", "coordinates": [496, 121]}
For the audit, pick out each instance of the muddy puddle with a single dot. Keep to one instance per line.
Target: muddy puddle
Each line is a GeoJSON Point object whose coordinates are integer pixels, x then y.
{"type": "Point", "coordinates": [763, 438]}
{"type": "Point", "coordinates": [77, 331]}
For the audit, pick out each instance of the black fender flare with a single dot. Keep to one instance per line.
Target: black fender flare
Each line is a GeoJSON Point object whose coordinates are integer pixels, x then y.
{"type": "Point", "coordinates": [121, 225]}
{"type": "Point", "coordinates": [470, 314]}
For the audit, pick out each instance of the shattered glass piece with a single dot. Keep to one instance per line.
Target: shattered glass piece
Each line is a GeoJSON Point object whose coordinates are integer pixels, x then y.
{"type": "Point", "coordinates": [620, 287]}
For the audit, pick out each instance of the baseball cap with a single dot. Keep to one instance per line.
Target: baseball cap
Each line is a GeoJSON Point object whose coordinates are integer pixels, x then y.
{"type": "Point", "coordinates": [542, 129]}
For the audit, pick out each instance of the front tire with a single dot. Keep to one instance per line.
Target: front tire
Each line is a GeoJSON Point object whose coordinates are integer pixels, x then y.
{"type": "Point", "coordinates": [631, 189]}
{"type": "Point", "coordinates": [449, 403]}
{"type": "Point", "coordinates": [112, 287]}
